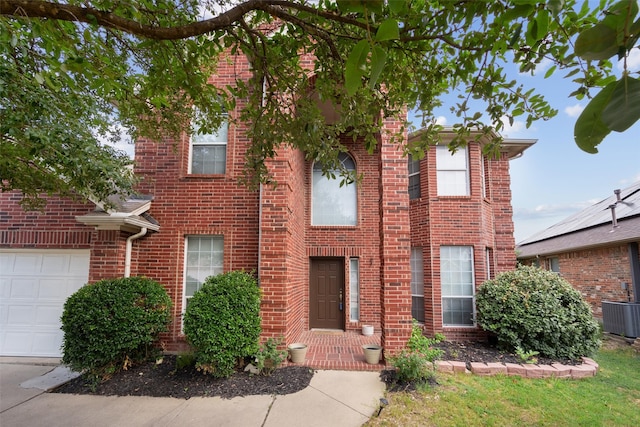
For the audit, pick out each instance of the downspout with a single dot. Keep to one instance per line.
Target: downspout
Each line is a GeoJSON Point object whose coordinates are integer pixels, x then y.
{"type": "Point", "coordinates": [259, 233]}
{"type": "Point", "coordinates": [127, 255]}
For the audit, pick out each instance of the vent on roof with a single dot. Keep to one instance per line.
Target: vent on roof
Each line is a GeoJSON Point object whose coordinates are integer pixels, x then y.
{"type": "Point", "coordinates": [621, 318]}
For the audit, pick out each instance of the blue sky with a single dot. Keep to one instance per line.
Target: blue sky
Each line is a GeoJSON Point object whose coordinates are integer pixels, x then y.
{"type": "Point", "coordinates": [555, 179]}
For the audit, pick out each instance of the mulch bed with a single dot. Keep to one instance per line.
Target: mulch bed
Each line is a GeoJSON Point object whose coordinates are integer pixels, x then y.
{"type": "Point", "coordinates": [163, 380]}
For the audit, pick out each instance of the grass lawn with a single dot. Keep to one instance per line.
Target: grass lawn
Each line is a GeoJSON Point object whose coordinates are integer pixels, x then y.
{"type": "Point", "coordinates": [611, 398]}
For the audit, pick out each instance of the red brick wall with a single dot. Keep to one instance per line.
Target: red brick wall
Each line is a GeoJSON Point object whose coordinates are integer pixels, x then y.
{"type": "Point", "coordinates": [483, 222]}
{"type": "Point", "coordinates": [597, 273]}
{"type": "Point", "coordinates": [55, 227]}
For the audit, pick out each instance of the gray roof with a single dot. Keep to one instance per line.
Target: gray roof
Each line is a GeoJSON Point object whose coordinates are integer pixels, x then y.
{"type": "Point", "coordinates": [590, 227]}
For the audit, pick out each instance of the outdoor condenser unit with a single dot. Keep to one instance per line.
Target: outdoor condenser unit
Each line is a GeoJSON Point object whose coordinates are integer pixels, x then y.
{"type": "Point", "coordinates": [621, 318]}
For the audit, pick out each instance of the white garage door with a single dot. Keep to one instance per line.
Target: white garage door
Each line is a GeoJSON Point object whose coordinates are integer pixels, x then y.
{"type": "Point", "coordinates": [34, 286]}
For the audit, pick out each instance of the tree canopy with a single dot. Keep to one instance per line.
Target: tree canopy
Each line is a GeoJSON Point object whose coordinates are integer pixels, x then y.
{"type": "Point", "coordinates": [74, 73]}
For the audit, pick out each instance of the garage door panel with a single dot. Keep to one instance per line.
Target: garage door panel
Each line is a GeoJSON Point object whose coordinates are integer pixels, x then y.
{"type": "Point", "coordinates": [23, 288]}
{"type": "Point", "coordinates": [24, 263]}
{"type": "Point", "coordinates": [34, 288]}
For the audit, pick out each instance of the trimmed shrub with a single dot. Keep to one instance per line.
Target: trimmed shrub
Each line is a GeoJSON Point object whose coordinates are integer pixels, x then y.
{"type": "Point", "coordinates": [222, 322]}
{"type": "Point", "coordinates": [537, 310]}
{"type": "Point", "coordinates": [113, 323]}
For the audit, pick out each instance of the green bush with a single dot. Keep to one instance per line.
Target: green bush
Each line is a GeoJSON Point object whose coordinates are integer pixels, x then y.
{"type": "Point", "coordinates": [222, 322]}
{"type": "Point", "coordinates": [112, 323]}
{"type": "Point", "coordinates": [537, 310]}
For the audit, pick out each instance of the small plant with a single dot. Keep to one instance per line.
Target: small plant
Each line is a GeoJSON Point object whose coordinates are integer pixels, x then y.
{"type": "Point", "coordinates": [417, 362]}
{"type": "Point", "coordinates": [527, 356]}
{"type": "Point", "coordinates": [424, 345]}
{"type": "Point", "coordinates": [269, 357]}
{"type": "Point", "coordinates": [222, 322]}
{"type": "Point", "coordinates": [185, 360]}
{"type": "Point", "coordinates": [412, 366]}
{"type": "Point", "coordinates": [112, 324]}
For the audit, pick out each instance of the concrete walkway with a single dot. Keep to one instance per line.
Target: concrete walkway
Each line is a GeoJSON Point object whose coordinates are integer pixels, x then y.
{"type": "Point", "coordinates": [333, 398]}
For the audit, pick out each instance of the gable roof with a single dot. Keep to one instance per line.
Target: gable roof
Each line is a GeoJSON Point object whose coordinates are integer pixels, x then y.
{"type": "Point", "coordinates": [590, 227]}
{"type": "Point", "coordinates": [125, 214]}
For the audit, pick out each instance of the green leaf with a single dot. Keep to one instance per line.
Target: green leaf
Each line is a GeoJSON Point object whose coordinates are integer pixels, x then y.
{"type": "Point", "coordinates": [589, 129]}
{"type": "Point", "coordinates": [378, 60]}
{"type": "Point", "coordinates": [596, 43]}
{"type": "Point", "coordinates": [388, 30]}
{"type": "Point", "coordinates": [355, 66]}
{"type": "Point", "coordinates": [542, 21]}
{"type": "Point", "coordinates": [397, 6]}
{"type": "Point", "coordinates": [39, 78]}
{"type": "Point", "coordinates": [555, 6]}
{"type": "Point", "coordinates": [623, 109]}
{"type": "Point", "coordinates": [550, 71]}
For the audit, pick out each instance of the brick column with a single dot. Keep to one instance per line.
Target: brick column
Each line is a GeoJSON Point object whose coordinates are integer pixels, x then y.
{"type": "Point", "coordinates": [395, 247]}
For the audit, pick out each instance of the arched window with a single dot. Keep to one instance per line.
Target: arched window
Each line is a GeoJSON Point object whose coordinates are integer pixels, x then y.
{"type": "Point", "coordinates": [332, 203]}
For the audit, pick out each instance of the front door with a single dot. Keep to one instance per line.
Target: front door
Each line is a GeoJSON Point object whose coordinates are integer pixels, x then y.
{"type": "Point", "coordinates": [326, 294]}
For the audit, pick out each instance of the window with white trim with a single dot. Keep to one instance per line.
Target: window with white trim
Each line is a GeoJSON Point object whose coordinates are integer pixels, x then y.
{"type": "Point", "coordinates": [414, 178]}
{"type": "Point", "coordinates": [457, 280]}
{"type": "Point", "coordinates": [417, 284]}
{"type": "Point", "coordinates": [334, 202]}
{"type": "Point", "coordinates": [452, 171]}
{"type": "Point", "coordinates": [208, 152]}
{"type": "Point", "coordinates": [203, 258]}
{"type": "Point", "coordinates": [354, 289]}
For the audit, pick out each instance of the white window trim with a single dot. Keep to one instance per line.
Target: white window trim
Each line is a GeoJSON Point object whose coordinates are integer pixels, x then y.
{"type": "Point", "coordinates": [354, 290]}
{"type": "Point", "coordinates": [192, 143]}
{"type": "Point", "coordinates": [355, 189]}
{"type": "Point", "coordinates": [184, 267]}
{"type": "Point", "coordinates": [472, 297]}
{"type": "Point", "coordinates": [439, 169]}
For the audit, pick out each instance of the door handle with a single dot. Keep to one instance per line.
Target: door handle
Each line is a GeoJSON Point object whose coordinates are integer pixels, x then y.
{"type": "Point", "coordinates": [340, 305]}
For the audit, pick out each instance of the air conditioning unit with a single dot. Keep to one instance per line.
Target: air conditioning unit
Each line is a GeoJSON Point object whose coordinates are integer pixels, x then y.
{"type": "Point", "coordinates": [621, 318]}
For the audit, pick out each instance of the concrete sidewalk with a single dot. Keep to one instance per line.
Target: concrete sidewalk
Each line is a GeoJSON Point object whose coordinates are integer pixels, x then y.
{"type": "Point", "coordinates": [333, 398]}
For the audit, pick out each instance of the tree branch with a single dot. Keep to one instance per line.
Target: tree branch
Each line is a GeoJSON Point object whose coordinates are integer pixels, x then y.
{"type": "Point", "coordinates": [90, 15]}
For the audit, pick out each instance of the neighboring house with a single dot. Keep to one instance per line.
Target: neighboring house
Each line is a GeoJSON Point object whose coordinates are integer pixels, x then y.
{"type": "Point", "coordinates": [596, 249]}
{"type": "Point", "coordinates": [405, 241]}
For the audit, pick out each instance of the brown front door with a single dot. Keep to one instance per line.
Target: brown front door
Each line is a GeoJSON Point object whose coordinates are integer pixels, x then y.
{"type": "Point", "coordinates": [326, 295]}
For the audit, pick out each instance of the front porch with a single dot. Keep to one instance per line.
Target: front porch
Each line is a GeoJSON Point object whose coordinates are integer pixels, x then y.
{"type": "Point", "coordinates": [338, 350]}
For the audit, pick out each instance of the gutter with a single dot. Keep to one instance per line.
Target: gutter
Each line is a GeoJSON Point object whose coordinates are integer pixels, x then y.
{"type": "Point", "coordinates": [129, 248]}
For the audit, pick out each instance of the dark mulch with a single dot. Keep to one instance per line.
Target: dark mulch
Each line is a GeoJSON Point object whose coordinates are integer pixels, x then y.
{"type": "Point", "coordinates": [466, 352]}
{"type": "Point", "coordinates": [483, 351]}
{"type": "Point", "coordinates": [163, 380]}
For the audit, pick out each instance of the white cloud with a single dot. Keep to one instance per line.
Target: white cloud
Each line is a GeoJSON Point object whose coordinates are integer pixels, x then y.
{"type": "Point", "coordinates": [562, 210]}
{"type": "Point", "coordinates": [633, 61]}
{"type": "Point", "coordinates": [574, 110]}
{"type": "Point", "coordinates": [441, 120]}
{"type": "Point", "coordinates": [543, 66]}
{"type": "Point", "coordinates": [509, 130]}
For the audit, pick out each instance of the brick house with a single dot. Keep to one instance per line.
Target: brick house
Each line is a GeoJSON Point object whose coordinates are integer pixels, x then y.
{"type": "Point", "coordinates": [596, 249]}
{"type": "Point", "coordinates": [411, 239]}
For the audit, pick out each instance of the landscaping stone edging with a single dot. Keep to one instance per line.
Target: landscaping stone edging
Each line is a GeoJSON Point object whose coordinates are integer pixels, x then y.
{"type": "Point", "coordinates": [588, 368]}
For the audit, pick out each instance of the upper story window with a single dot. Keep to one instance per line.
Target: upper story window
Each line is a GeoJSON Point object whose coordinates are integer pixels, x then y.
{"type": "Point", "coordinates": [334, 202]}
{"type": "Point", "coordinates": [208, 151]}
{"type": "Point", "coordinates": [414, 178]}
{"type": "Point", "coordinates": [452, 171]}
